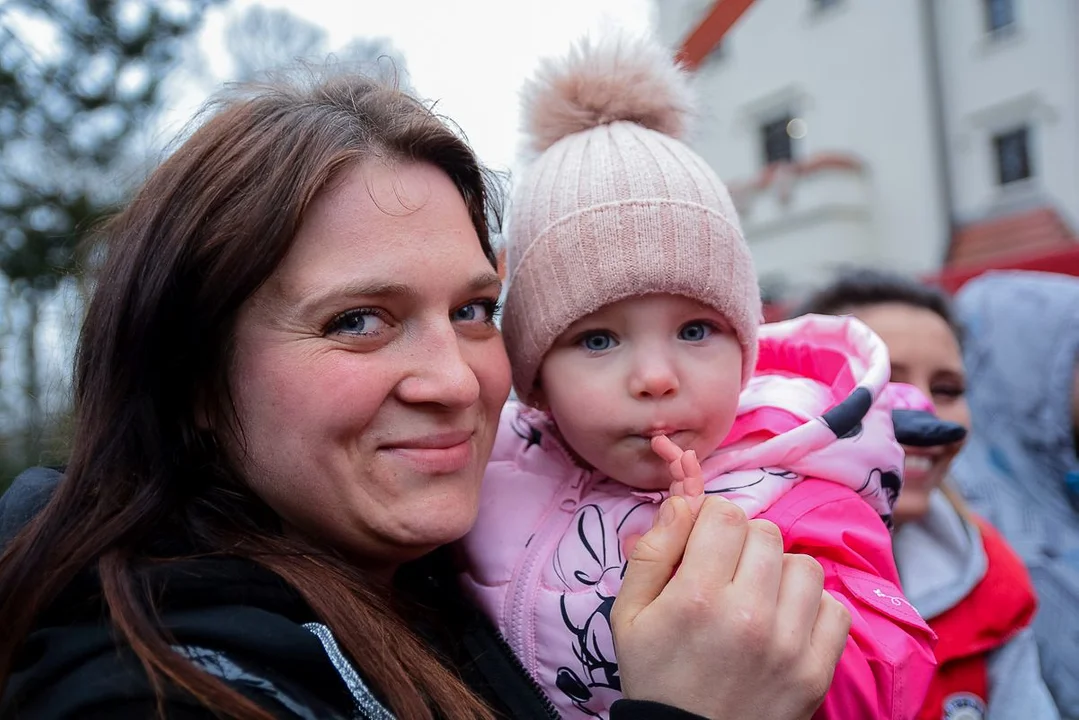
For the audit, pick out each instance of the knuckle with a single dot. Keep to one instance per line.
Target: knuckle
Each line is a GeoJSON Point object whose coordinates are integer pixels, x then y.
{"type": "Point", "coordinates": [766, 529]}
{"type": "Point", "coordinates": [724, 511]}
{"type": "Point", "coordinates": [806, 566]}
{"type": "Point", "coordinates": [791, 649]}
{"type": "Point", "coordinates": [698, 608]}
{"type": "Point", "coordinates": [695, 608]}
{"type": "Point", "coordinates": [840, 610]}
{"type": "Point", "coordinates": [754, 628]}
{"type": "Point", "coordinates": [646, 551]}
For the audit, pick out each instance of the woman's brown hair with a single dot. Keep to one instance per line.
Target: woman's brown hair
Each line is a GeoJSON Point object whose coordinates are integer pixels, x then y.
{"type": "Point", "coordinates": [209, 226]}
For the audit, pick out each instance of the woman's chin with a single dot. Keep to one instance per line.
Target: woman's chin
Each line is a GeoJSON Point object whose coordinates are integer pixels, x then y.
{"type": "Point", "coordinates": [912, 506]}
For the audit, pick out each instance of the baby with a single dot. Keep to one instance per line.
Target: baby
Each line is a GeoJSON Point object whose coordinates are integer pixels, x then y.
{"type": "Point", "coordinates": [632, 325]}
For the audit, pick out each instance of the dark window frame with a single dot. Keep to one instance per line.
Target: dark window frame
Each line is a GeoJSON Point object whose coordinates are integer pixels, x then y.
{"type": "Point", "coordinates": [776, 143]}
{"type": "Point", "coordinates": [1012, 156]}
{"type": "Point", "coordinates": [999, 16]}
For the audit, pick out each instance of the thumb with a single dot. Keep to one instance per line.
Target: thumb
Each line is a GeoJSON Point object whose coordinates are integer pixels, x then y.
{"type": "Point", "coordinates": [655, 557]}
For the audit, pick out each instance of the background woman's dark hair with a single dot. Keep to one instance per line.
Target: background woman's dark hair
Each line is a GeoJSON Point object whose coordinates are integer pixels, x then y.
{"type": "Point", "coordinates": [205, 231]}
{"type": "Point", "coordinates": [864, 286]}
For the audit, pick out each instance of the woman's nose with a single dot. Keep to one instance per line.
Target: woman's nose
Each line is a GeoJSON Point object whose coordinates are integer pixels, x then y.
{"type": "Point", "coordinates": [441, 373]}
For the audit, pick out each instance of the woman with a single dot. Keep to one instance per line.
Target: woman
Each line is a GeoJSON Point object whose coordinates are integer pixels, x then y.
{"type": "Point", "coordinates": [287, 388]}
{"type": "Point", "coordinates": [955, 568]}
{"type": "Point", "coordinates": [1020, 467]}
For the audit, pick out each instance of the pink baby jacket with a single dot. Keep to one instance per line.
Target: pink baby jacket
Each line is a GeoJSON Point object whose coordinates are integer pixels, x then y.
{"type": "Point", "coordinates": [545, 557]}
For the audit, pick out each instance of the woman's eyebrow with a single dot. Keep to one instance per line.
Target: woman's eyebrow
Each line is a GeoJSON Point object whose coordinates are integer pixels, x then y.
{"type": "Point", "coordinates": [362, 289]}
{"type": "Point", "coordinates": [485, 281]}
{"type": "Point", "coordinates": [379, 289]}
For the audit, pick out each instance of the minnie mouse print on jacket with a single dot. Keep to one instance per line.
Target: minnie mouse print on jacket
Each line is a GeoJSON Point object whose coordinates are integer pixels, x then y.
{"type": "Point", "coordinates": [545, 558]}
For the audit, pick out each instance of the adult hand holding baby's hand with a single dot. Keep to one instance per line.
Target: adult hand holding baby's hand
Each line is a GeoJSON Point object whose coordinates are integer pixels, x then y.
{"type": "Point", "coordinates": [741, 631]}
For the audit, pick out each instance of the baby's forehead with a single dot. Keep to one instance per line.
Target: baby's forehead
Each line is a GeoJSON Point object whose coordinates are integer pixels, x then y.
{"type": "Point", "coordinates": [653, 307]}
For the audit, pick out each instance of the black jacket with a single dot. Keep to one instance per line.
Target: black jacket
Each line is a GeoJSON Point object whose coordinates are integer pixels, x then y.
{"type": "Point", "coordinates": [245, 625]}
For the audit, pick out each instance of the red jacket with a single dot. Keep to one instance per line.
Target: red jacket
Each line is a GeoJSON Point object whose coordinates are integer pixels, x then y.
{"type": "Point", "coordinates": [999, 606]}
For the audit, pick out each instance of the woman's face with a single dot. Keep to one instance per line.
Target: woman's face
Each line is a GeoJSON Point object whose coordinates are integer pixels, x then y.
{"type": "Point", "coordinates": [925, 353]}
{"type": "Point", "coordinates": [368, 373]}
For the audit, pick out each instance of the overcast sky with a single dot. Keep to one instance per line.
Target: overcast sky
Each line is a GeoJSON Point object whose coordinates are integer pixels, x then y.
{"type": "Point", "coordinates": [470, 55]}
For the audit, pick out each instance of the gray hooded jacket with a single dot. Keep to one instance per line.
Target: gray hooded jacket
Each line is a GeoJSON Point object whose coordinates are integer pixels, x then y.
{"type": "Point", "coordinates": [1019, 467]}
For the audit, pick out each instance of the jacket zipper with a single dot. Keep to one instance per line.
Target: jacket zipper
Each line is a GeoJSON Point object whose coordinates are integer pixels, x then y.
{"type": "Point", "coordinates": [540, 696]}
{"type": "Point", "coordinates": [523, 579]}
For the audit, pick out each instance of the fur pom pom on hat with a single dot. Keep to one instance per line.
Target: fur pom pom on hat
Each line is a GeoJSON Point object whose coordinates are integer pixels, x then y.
{"type": "Point", "coordinates": [624, 79]}
{"type": "Point", "coordinates": [614, 205]}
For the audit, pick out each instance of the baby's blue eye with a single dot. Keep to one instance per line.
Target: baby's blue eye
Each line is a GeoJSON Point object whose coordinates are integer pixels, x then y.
{"type": "Point", "coordinates": [598, 341]}
{"type": "Point", "coordinates": [695, 331]}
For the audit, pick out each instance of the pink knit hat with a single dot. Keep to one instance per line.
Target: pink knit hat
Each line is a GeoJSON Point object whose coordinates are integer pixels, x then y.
{"type": "Point", "coordinates": [615, 205]}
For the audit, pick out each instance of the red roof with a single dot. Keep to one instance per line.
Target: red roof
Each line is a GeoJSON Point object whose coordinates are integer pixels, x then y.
{"type": "Point", "coordinates": [706, 36]}
{"type": "Point", "coordinates": [1064, 261]}
{"type": "Point", "coordinates": [1034, 231]}
{"type": "Point", "coordinates": [1037, 239]}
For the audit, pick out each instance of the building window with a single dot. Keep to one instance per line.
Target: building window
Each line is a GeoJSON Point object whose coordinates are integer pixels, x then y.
{"type": "Point", "coordinates": [1013, 155]}
{"type": "Point", "coordinates": [999, 15]}
{"type": "Point", "coordinates": [777, 141]}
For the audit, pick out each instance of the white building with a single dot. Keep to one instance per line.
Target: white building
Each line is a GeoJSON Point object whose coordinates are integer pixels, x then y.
{"type": "Point", "coordinates": [908, 134]}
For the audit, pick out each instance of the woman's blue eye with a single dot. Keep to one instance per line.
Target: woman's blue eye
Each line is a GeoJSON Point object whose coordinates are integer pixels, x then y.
{"type": "Point", "coordinates": [695, 331]}
{"type": "Point", "coordinates": [478, 311]}
{"type": "Point", "coordinates": [358, 322]}
{"type": "Point", "coordinates": [598, 341]}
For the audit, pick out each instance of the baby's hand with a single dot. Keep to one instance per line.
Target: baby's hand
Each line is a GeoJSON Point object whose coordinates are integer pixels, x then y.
{"type": "Point", "coordinates": [687, 479]}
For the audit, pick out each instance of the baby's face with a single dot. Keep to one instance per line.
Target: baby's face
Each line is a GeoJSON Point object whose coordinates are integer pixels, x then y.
{"type": "Point", "coordinates": [659, 364]}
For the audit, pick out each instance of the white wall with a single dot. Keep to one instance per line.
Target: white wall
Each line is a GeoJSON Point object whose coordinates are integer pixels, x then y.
{"type": "Point", "coordinates": [804, 235]}
{"type": "Point", "coordinates": [856, 73]}
{"type": "Point", "coordinates": [1029, 75]}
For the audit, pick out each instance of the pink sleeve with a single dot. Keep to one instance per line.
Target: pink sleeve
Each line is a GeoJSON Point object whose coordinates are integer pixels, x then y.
{"type": "Point", "coordinates": [888, 661]}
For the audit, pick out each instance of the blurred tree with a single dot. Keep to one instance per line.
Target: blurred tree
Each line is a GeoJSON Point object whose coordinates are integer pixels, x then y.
{"type": "Point", "coordinates": [261, 40]}
{"type": "Point", "coordinates": [377, 57]}
{"type": "Point", "coordinates": [78, 78]}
